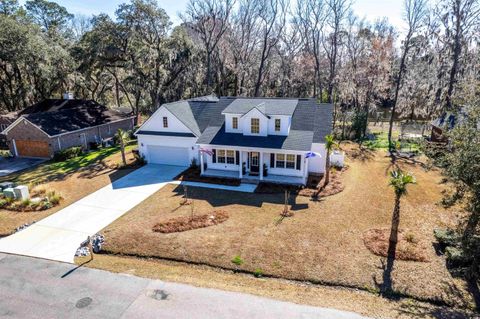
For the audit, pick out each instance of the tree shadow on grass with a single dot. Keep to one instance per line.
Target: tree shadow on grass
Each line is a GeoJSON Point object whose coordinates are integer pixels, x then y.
{"type": "Point", "coordinates": [218, 197]}
{"type": "Point", "coordinates": [385, 287]}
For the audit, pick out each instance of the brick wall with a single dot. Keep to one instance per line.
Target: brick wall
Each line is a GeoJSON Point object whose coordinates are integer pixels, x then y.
{"type": "Point", "coordinates": [26, 131]}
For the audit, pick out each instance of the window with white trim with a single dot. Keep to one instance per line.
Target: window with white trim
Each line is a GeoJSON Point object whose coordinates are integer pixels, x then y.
{"type": "Point", "coordinates": [230, 157]}
{"type": "Point", "coordinates": [277, 125]}
{"type": "Point", "coordinates": [290, 163]}
{"type": "Point", "coordinates": [165, 121]}
{"type": "Point", "coordinates": [221, 156]}
{"type": "Point", "coordinates": [255, 126]}
{"type": "Point", "coordinates": [280, 160]}
{"type": "Point", "coordinates": [225, 156]}
{"type": "Point", "coordinates": [286, 161]}
{"type": "Point", "coordinates": [235, 123]}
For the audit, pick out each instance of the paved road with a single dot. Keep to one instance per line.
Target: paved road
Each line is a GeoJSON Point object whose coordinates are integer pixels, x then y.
{"type": "Point", "coordinates": [15, 164]}
{"type": "Point", "coordinates": [37, 288]}
{"type": "Point", "coordinates": [58, 236]}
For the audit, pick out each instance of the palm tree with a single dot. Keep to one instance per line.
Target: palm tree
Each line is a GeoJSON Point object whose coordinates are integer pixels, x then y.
{"type": "Point", "coordinates": [330, 144]}
{"type": "Point", "coordinates": [399, 181]}
{"type": "Point", "coordinates": [122, 139]}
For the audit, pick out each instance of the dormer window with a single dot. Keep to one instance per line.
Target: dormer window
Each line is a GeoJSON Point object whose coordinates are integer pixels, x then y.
{"type": "Point", "coordinates": [255, 126]}
{"type": "Point", "coordinates": [165, 121]}
{"type": "Point", "coordinates": [235, 123]}
{"type": "Point", "coordinates": [277, 125]}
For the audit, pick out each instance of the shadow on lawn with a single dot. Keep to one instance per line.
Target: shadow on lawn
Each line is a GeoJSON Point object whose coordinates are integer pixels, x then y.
{"type": "Point", "coordinates": [218, 198]}
{"type": "Point", "coordinates": [57, 171]}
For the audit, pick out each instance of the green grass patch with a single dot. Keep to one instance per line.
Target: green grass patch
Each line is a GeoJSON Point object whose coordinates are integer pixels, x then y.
{"type": "Point", "coordinates": [380, 141]}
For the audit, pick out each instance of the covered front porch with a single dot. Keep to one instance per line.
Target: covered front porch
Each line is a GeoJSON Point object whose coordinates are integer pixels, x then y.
{"type": "Point", "coordinates": [254, 165]}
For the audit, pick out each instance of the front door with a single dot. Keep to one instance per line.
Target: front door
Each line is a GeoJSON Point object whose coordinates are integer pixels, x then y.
{"type": "Point", "coordinates": [254, 162]}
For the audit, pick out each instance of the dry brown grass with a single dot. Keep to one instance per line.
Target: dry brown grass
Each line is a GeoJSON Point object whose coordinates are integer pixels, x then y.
{"type": "Point", "coordinates": [361, 302]}
{"type": "Point", "coordinates": [408, 248]}
{"type": "Point", "coordinates": [184, 223]}
{"type": "Point", "coordinates": [322, 243]}
{"type": "Point", "coordinates": [71, 188]}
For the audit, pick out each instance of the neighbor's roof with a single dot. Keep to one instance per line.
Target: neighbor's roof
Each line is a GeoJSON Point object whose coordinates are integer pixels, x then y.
{"type": "Point", "coordinates": [311, 121]}
{"type": "Point", "coordinates": [74, 115]}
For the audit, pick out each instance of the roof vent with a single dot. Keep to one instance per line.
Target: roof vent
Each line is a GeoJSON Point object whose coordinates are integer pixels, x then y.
{"type": "Point", "coordinates": [68, 96]}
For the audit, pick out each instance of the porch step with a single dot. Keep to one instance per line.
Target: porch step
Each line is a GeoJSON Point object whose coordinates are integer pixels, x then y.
{"type": "Point", "coordinates": [247, 180]}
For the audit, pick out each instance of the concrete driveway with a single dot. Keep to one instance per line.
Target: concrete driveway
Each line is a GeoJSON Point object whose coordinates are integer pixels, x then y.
{"type": "Point", "coordinates": [15, 164]}
{"type": "Point", "coordinates": [35, 288]}
{"type": "Point", "coordinates": [58, 236]}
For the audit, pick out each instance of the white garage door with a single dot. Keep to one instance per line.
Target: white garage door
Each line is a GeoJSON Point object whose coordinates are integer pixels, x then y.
{"type": "Point", "coordinates": [168, 155]}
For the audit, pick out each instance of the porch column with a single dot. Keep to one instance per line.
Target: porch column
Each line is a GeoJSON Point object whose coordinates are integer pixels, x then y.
{"type": "Point", "coordinates": [305, 167]}
{"type": "Point", "coordinates": [240, 165]}
{"type": "Point", "coordinates": [201, 163]}
{"type": "Point", "coordinates": [261, 166]}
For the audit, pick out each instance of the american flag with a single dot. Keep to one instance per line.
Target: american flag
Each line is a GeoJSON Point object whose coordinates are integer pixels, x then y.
{"type": "Point", "coordinates": [312, 154]}
{"type": "Point", "coordinates": [208, 152]}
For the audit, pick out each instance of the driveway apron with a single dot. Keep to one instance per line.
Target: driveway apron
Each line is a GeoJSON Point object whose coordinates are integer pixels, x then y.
{"type": "Point", "coordinates": [58, 236]}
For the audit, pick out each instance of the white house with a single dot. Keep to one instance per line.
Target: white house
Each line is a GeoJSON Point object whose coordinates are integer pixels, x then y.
{"type": "Point", "coordinates": [266, 139]}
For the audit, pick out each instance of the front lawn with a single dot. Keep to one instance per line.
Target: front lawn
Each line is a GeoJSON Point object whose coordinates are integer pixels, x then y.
{"type": "Point", "coordinates": [71, 179]}
{"type": "Point", "coordinates": [321, 243]}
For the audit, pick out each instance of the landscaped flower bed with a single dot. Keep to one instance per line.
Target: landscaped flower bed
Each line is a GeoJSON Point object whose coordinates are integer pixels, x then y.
{"type": "Point", "coordinates": [408, 246]}
{"type": "Point", "coordinates": [193, 175]}
{"type": "Point", "coordinates": [184, 223]}
{"type": "Point", "coordinates": [41, 200]}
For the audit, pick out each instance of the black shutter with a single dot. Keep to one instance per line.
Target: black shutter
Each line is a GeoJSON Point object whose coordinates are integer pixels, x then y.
{"type": "Point", "coordinates": [272, 160]}
{"type": "Point", "coordinates": [214, 156]}
{"type": "Point", "coordinates": [299, 162]}
{"type": "Point", "coordinates": [237, 157]}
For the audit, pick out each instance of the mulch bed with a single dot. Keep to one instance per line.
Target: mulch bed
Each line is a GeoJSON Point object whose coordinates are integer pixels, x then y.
{"type": "Point", "coordinates": [314, 186]}
{"type": "Point", "coordinates": [184, 223]}
{"type": "Point", "coordinates": [193, 175]}
{"type": "Point", "coordinates": [377, 241]}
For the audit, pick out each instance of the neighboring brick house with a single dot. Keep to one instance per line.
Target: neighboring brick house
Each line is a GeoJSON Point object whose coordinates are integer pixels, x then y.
{"type": "Point", "coordinates": [53, 125]}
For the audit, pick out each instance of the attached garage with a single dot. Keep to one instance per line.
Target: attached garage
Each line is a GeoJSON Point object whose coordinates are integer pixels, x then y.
{"type": "Point", "coordinates": [27, 148]}
{"type": "Point", "coordinates": [168, 155]}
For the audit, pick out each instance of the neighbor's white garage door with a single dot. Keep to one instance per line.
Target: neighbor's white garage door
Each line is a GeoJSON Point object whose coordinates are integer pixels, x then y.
{"type": "Point", "coordinates": [168, 155]}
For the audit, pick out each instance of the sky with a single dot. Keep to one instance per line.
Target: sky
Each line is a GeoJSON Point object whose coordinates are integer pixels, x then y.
{"type": "Point", "coordinates": [369, 9]}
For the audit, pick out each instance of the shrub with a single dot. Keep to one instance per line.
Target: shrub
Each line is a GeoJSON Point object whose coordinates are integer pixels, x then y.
{"type": "Point", "coordinates": [68, 153]}
{"type": "Point", "coordinates": [411, 238]}
{"type": "Point", "coordinates": [258, 273]}
{"type": "Point", "coordinates": [237, 260]}
{"type": "Point", "coordinates": [53, 198]}
{"type": "Point", "coordinates": [26, 202]}
{"type": "Point", "coordinates": [446, 237]}
{"type": "Point", "coordinates": [3, 203]}
{"type": "Point", "coordinates": [456, 257]}
{"type": "Point", "coordinates": [93, 146]}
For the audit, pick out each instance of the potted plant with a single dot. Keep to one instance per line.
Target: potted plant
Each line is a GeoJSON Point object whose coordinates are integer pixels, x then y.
{"type": "Point", "coordinates": [244, 168]}
{"type": "Point", "coordinates": [265, 170]}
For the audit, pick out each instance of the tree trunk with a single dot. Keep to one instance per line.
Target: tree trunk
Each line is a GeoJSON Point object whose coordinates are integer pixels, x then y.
{"type": "Point", "coordinates": [122, 148]}
{"type": "Point", "coordinates": [395, 220]}
{"type": "Point", "coordinates": [327, 169]}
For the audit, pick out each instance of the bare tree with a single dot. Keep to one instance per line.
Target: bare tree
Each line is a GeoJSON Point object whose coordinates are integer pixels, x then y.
{"type": "Point", "coordinates": [310, 17]}
{"type": "Point", "coordinates": [415, 12]}
{"type": "Point", "coordinates": [272, 17]}
{"type": "Point", "coordinates": [459, 18]}
{"type": "Point", "coordinates": [210, 19]}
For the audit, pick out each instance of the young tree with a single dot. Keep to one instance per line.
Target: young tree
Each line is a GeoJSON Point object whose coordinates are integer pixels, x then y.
{"type": "Point", "coordinates": [122, 139]}
{"type": "Point", "coordinates": [415, 13]}
{"type": "Point", "coordinates": [399, 181]}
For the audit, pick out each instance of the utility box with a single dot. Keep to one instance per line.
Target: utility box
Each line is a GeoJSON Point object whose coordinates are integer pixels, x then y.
{"type": "Point", "coordinates": [5, 185]}
{"type": "Point", "coordinates": [21, 192]}
{"type": "Point", "coordinates": [9, 193]}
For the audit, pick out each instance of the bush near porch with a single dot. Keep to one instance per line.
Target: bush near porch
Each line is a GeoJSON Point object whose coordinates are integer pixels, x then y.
{"type": "Point", "coordinates": [322, 242]}
{"type": "Point", "coordinates": [192, 174]}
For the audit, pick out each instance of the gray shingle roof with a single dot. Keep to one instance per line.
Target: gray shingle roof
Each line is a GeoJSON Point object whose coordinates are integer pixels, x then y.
{"type": "Point", "coordinates": [267, 106]}
{"type": "Point", "coordinates": [295, 141]}
{"type": "Point", "coordinates": [311, 121]}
